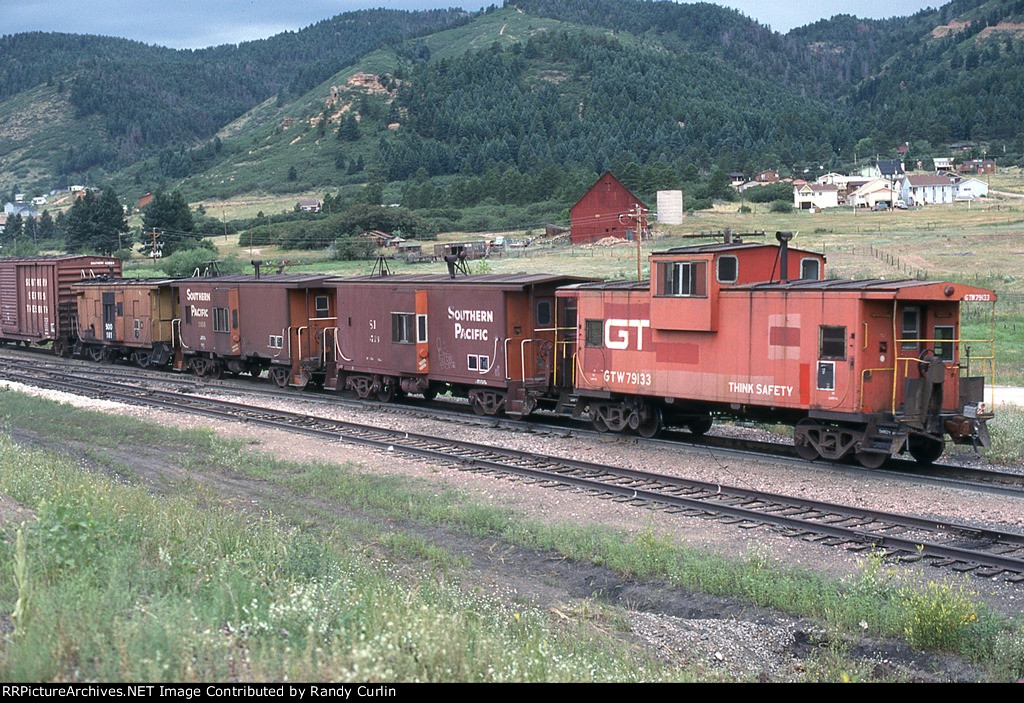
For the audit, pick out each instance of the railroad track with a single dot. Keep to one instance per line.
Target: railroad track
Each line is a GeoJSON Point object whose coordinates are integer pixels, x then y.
{"type": "Point", "coordinates": [962, 547]}
{"type": "Point", "coordinates": [968, 478]}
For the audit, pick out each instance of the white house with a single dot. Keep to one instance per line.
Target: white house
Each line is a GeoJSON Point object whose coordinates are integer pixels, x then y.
{"type": "Point", "coordinates": [971, 188]}
{"type": "Point", "coordinates": [926, 189]}
{"type": "Point", "coordinates": [875, 191]}
{"type": "Point", "coordinates": [807, 196]}
{"type": "Point", "coordinates": [943, 163]}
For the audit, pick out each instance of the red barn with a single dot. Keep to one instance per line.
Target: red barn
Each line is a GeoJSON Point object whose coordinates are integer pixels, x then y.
{"type": "Point", "coordinates": [603, 212]}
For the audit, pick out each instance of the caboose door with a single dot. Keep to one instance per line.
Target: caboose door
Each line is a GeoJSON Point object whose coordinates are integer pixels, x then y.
{"type": "Point", "coordinates": [109, 316]}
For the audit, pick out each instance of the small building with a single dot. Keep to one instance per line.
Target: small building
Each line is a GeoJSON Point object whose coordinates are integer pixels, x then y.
{"type": "Point", "coordinates": [607, 209]}
{"type": "Point", "coordinates": [384, 240]}
{"type": "Point", "coordinates": [943, 163]}
{"type": "Point", "coordinates": [310, 205]}
{"type": "Point", "coordinates": [979, 166]}
{"type": "Point", "coordinates": [769, 176]}
{"type": "Point", "coordinates": [808, 196]}
{"type": "Point", "coordinates": [473, 250]}
{"type": "Point", "coordinates": [39, 201]}
{"type": "Point", "coordinates": [877, 191]}
{"type": "Point", "coordinates": [971, 189]}
{"type": "Point", "coordinates": [928, 189]}
{"type": "Point", "coordinates": [736, 178]}
{"type": "Point", "coordinates": [146, 200]}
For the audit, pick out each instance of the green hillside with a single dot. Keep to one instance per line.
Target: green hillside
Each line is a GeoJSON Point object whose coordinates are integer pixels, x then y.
{"type": "Point", "coordinates": [663, 90]}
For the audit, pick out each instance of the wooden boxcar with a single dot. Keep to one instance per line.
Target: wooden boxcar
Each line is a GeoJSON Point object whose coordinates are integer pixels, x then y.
{"type": "Point", "coordinates": [244, 324]}
{"type": "Point", "coordinates": [866, 368]}
{"type": "Point", "coordinates": [37, 304]}
{"type": "Point", "coordinates": [123, 318]}
{"type": "Point", "coordinates": [498, 340]}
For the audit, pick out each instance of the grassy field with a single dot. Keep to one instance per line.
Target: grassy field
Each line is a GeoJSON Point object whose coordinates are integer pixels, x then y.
{"type": "Point", "coordinates": [184, 583]}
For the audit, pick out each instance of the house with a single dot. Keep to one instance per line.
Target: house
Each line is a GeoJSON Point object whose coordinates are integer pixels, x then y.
{"type": "Point", "coordinates": [971, 189]}
{"type": "Point", "coordinates": [39, 201]}
{"type": "Point", "coordinates": [309, 205]}
{"type": "Point", "coordinates": [809, 196]}
{"type": "Point", "coordinates": [902, 150]}
{"type": "Point", "coordinates": [26, 212]}
{"type": "Point", "coordinates": [146, 200]}
{"type": "Point", "coordinates": [874, 192]}
{"type": "Point", "coordinates": [943, 163]}
{"type": "Point", "coordinates": [607, 209]}
{"type": "Point", "coordinates": [736, 178]}
{"type": "Point", "coordinates": [927, 189]}
{"type": "Point", "coordinates": [385, 240]}
{"type": "Point", "coordinates": [979, 166]}
{"type": "Point", "coordinates": [769, 176]}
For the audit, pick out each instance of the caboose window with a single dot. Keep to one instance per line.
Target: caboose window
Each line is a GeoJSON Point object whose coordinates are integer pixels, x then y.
{"type": "Point", "coordinates": [911, 328]}
{"type": "Point", "coordinates": [944, 349]}
{"type": "Point", "coordinates": [728, 269]}
{"type": "Point", "coordinates": [402, 327]}
{"type": "Point", "coordinates": [810, 270]}
{"type": "Point", "coordinates": [220, 319]}
{"type": "Point", "coordinates": [543, 313]}
{"type": "Point", "coordinates": [683, 278]}
{"type": "Point", "coordinates": [421, 329]}
{"type": "Point", "coordinates": [832, 341]}
{"type": "Point", "coordinates": [595, 333]}
{"type": "Point", "coordinates": [321, 306]}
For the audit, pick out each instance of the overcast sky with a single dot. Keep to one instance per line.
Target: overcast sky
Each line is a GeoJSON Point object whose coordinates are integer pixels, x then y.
{"type": "Point", "coordinates": [199, 23]}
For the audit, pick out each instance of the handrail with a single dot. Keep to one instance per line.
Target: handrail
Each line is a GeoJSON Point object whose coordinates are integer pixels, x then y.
{"type": "Point", "coordinates": [298, 338]}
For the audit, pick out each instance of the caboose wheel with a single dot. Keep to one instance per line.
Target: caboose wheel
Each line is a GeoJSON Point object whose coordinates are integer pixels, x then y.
{"type": "Point", "coordinates": [652, 425]}
{"type": "Point", "coordinates": [279, 375]}
{"type": "Point", "coordinates": [700, 426]}
{"type": "Point", "coordinates": [597, 421]}
{"type": "Point", "coordinates": [386, 392]}
{"type": "Point", "coordinates": [871, 460]}
{"type": "Point", "coordinates": [924, 449]}
{"type": "Point", "coordinates": [805, 449]}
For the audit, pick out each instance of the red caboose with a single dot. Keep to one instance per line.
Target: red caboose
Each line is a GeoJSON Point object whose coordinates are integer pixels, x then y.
{"type": "Point", "coordinates": [862, 367]}
{"type": "Point", "coordinates": [495, 339]}
{"type": "Point", "coordinates": [244, 324]}
{"type": "Point", "coordinates": [123, 318]}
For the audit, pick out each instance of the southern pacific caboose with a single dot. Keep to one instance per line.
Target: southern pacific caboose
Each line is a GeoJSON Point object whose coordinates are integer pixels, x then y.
{"type": "Point", "coordinates": [496, 339]}
{"type": "Point", "coordinates": [866, 367]}
{"type": "Point", "coordinates": [37, 304]}
{"type": "Point", "coordinates": [245, 324]}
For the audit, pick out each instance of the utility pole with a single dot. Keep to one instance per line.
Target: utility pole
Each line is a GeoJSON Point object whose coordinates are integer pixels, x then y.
{"type": "Point", "coordinates": [154, 235]}
{"type": "Point", "coordinates": [637, 216]}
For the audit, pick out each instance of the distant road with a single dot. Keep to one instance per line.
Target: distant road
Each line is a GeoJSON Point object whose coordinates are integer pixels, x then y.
{"type": "Point", "coordinates": [1005, 193]}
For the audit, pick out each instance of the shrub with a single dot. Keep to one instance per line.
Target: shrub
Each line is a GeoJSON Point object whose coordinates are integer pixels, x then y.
{"type": "Point", "coordinates": [781, 206]}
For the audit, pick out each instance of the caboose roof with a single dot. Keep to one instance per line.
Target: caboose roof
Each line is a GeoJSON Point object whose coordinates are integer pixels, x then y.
{"type": "Point", "coordinates": [280, 279]}
{"type": "Point", "coordinates": [721, 247]}
{"type": "Point", "coordinates": [907, 289]}
{"type": "Point", "coordinates": [515, 281]}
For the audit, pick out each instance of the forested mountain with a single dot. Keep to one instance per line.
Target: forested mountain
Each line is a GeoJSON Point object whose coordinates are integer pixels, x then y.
{"type": "Point", "coordinates": [575, 85]}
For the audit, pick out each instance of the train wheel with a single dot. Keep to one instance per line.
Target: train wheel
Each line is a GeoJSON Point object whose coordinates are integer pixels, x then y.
{"type": "Point", "coordinates": [386, 392]}
{"type": "Point", "coordinates": [701, 426]}
{"type": "Point", "coordinates": [214, 370]}
{"type": "Point", "coordinates": [279, 375]}
{"type": "Point", "coordinates": [142, 359]}
{"type": "Point", "coordinates": [62, 348]}
{"type": "Point", "coordinates": [255, 372]}
{"type": "Point", "coordinates": [924, 449]}
{"type": "Point", "coordinates": [95, 353]}
{"type": "Point", "coordinates": [430, 394]}
{"type": "Point", "coordinates": [598, 422]}
{"type": "Point", "coordinates": [802, 443]}
{"type": "Point", "coordinates": [652, 425]}
{"type": "Point", "coordinates": [871, 460]}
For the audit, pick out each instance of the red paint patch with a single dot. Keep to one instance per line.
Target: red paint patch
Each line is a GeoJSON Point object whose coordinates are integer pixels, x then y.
{"type": "Point", "coordinates": [784, 336]}
{"type": "Point", "coordinates": [672, 353]}
{"type": "Point", "coordinates": [805, 384]}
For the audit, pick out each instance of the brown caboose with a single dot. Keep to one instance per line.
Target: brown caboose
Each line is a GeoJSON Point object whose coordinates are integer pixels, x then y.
{"type": "Point", "coordinates": [245, 324]}
{"type": "Point", "coordinates": [866, 368]}
{"type": "Point", "coordinates": [37, 304]}
{"type": "Point", "coordinates": [126, 319]}
{"type": "Point", "coordinates": [498, 340]}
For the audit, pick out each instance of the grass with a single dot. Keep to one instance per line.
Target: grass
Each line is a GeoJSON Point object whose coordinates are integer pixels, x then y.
{"type": "Point", "coordinates": [193, 592]}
